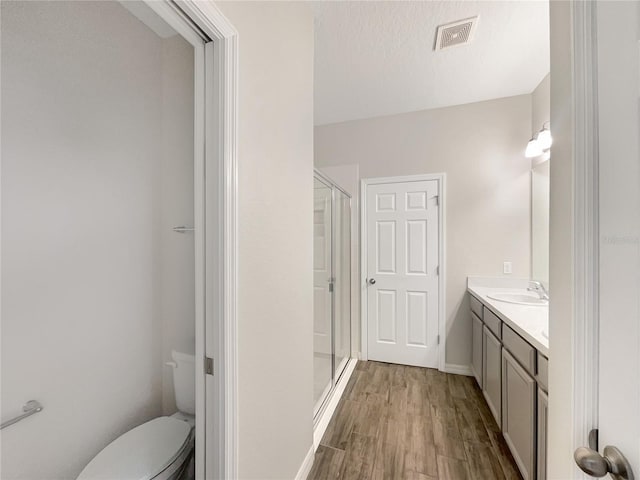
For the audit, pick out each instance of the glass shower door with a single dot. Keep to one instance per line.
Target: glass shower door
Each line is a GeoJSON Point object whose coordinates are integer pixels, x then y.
{"type": "Point", "coordinates": [322, 295]}
{"type": "Point", "coordinates": [342, 272]}
{"type": "Point", "coordinates": [331, 287]}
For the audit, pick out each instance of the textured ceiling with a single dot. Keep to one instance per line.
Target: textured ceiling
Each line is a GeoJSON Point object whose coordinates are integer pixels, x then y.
{"type": "Point", "coordinates": [377, 58]}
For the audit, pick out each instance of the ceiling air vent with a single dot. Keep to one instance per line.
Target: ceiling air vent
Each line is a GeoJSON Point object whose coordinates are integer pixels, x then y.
{"type": "Point", "coordinates": [456, 33]}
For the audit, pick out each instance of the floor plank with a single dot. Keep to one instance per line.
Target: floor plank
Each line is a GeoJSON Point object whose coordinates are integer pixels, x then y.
{"type": "Point", "coordinates": [452, 469]}
{"type": "Point", "coordinates": [327, 464]}
{"type": "Point", "coordinates": [483, 462]}
{"type": "Point", "coordinates": [409, 423]}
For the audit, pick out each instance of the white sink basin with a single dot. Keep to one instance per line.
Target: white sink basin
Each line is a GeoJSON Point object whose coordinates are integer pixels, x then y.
{"type": "Point", "coordinates": [520, 298]}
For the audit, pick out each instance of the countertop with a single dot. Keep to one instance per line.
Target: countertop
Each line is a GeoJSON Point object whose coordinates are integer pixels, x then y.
{"type": "Point", "coordinates": [528, 321]}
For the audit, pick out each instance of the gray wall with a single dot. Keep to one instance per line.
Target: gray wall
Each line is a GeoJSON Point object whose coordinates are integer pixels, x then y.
{"type": "Point", "coordinates": [480, 147]}
{"type": "Point", "coordinates": [275, 186]}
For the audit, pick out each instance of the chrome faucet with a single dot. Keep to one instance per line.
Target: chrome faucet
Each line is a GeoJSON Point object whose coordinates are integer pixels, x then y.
{"type": "Point", "coordinates": [536, 286]}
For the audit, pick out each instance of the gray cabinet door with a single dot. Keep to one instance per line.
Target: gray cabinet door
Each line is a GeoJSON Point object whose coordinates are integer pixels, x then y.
{"type": "Point", "coordinates": [519, 414]}
{"type": "Point", "coordinates": [476, 354]}
{"type": "Point", "coordinates": [492, 373]}
{"type": "Point", "coordinates": [543, 403]}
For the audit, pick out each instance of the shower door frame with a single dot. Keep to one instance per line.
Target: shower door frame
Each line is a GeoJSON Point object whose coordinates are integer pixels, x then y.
{"type": "Point", "coordinates": [328, 402]}
{"type": "Point", "coordinates": [215, 43]}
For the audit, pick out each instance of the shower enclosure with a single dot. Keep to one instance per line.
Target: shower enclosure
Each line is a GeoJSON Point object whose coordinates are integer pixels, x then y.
{"type": "Point", "coordinates": [331, 285]}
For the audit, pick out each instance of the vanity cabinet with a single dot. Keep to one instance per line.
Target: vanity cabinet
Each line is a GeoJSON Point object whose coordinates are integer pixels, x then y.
{"type": "Point", "coordinates": [476, 360]}
{"type": "Point", "coordinates": [492, 373]}
{"type": "Point", "coordinates": [513, 377]}
{"type": "Point", "coordinates": [519, 391]}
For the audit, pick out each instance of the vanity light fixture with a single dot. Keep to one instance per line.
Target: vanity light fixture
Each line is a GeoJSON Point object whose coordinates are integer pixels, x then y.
{"type": "Point", "coordinates": [540, 143]}
{"type": "Point", "coordinates": [544, 138]}
{"type": "Point", "coordinates": [533, 148]}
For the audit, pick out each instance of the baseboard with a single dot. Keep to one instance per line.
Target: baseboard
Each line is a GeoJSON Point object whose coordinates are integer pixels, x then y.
{"type": "Point", "coordinates": [320, 426]}
{"type": "Point", "coordinates": [458, 369]}
{"type": "Point", "coordinates": [305, 468]}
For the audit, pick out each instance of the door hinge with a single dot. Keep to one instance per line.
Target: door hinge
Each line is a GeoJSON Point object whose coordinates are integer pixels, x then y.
{"type": "Point", "coordinates": [438, 339]}
{"type": "Point", "coordinates": [437, 270]}
{"type": "Point", "coordinates": [330, 287]}
{"type": "Point", "coordinates": [208, 365]}
{"type": "Point", "coordinates": [437, 197]}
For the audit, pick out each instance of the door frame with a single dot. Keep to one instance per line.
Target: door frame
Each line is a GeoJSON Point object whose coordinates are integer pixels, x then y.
{"type": "Point", "coordinates": [442, 273]}
{"type": "Point", "coordinates": [585, 222]}
{"type": "Point", "coordinates": [216, 227]}
{"type": "Point", "coordinates": [574, 251]}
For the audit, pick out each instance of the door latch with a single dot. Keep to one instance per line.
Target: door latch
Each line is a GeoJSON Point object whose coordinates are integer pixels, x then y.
{"type": "Point", "coordinates": [208, 365]}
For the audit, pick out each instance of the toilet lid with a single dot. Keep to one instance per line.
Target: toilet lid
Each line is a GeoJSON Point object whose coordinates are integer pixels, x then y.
{"type": "Point", "coordinates": [141, 453]}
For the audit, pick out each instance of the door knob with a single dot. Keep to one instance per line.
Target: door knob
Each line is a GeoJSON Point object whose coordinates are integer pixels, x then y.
{"type": "Point", "coordinates": [596, 465]}
{"type": "Point", "coordinates": [372, 281]}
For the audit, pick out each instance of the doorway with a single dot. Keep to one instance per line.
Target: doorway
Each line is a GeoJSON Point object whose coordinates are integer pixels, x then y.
{"type": "Point", "coordinates": [106, 203]}
{"type": "Point", "coordinates": [402, 262]}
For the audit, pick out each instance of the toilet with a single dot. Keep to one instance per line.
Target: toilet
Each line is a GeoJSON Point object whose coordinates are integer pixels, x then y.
{"type": "Point", "coordinates": [160, 449]}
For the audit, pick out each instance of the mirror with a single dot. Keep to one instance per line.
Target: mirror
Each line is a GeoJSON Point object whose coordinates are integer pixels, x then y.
{"type": "Point", "coordinates": [540, 222]}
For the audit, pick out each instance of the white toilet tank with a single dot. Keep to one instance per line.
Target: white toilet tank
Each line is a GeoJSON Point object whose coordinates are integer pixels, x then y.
{"type": "Point", "coordinates": [184, 381]}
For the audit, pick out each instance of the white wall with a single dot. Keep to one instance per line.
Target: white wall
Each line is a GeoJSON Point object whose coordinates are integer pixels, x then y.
{"type": "Point", "coordinates": [177, 273]}
{"type": "Point", "coordinates": [275, 185]}
{"type": "Point", "coordinates": [83, 138]}
{"type": "Point", "coordinates": [480, 146]}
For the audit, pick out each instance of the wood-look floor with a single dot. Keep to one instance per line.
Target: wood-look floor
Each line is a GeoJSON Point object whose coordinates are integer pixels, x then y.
{"type": "Point", "coordinates": [410, 423]}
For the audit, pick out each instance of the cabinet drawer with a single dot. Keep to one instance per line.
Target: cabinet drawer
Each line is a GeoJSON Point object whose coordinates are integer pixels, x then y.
{"type": "Point", "coordinates": [520, 349]}
{"type": "Point", "coordinates": [493, 322]}
{"type": "Point", "coordinates": [476, 306]}
{"type": "Point", "coordinates": [543, 372]}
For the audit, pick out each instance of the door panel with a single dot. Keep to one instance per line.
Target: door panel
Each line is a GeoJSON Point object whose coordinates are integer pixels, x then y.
{"type": "Point", "coordinates": [402, 238]}
{"type": "Point", "coordinates": [519, 414]}
{"type": "Point", "coordinates": [618, 32]}
{"type": "Point", "coordinates": [476, 364]}
{"type": "Point", "coordinates": [416, 313]}
{"type": "Point", "coordinates": [386, 247]}
{"type": "Point", "coordinates": [492, 373]}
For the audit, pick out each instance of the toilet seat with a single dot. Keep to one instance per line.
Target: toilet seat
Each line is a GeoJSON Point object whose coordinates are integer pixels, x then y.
{"type": "Point", "coordinates": [143, 453]}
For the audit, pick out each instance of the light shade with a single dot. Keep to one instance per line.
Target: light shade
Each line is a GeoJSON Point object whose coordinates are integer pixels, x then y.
{"type": "Point", "coordinates": [533, 149]}
{"type": "Point", "coordinates": [544, 139]}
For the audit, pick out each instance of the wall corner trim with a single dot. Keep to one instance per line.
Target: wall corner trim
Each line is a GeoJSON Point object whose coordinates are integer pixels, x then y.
{"type": "Point", "coordinates": [458, 369]}
{"type": "Point", "coordinates": [307, 463]}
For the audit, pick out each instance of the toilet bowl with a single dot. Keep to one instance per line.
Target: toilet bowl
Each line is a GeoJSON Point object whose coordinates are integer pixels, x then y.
{"type": "Point", "coordinates": [160, 449]}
